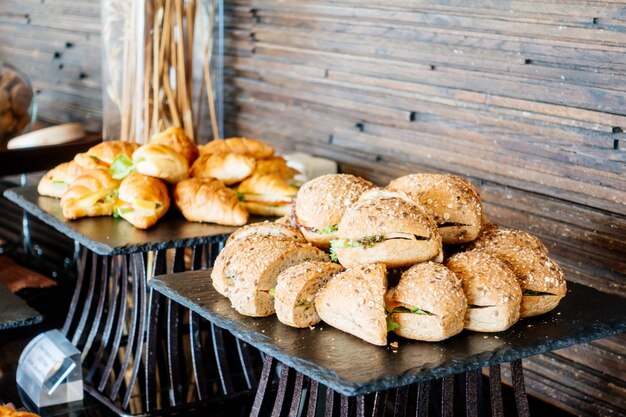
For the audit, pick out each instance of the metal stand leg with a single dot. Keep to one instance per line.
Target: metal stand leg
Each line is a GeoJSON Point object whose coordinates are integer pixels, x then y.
{"type": "Point", "coordinates": [521, 400]}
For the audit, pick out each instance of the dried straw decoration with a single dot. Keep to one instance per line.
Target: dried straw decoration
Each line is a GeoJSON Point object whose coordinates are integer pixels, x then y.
{"type": "Point", "coordinates": [157, 54]}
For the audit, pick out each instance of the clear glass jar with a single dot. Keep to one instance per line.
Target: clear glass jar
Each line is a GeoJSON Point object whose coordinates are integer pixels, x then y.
{"type": "Point", "coordinates": [157, 58]}
{"type": "Point", "coordinates": [17, 104]}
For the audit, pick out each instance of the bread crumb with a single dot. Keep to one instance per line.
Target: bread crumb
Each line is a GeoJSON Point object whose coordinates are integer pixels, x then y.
{"type": "Point", "coordinates": [394, 345]}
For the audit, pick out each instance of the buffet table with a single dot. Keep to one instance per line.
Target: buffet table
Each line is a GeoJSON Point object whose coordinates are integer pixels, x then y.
{"type": "Point", "coordinates": [115, 320]}
{"type": "Point", "coordinates": [324, 367]}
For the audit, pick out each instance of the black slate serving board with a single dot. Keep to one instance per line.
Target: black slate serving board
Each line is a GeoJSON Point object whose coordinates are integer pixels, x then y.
{"type": "Point", "coordinates": [353, 367]}
{"type": "Point", "coordinates": [14, 312]}
{"type": "Point", "coordinates": [111, 236]}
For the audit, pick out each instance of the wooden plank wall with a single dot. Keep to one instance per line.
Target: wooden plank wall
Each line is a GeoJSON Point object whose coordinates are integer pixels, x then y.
{"type": "Point", "coordinates": [57, 44]}
{"type": "Point", "coordinates": [527, 98]}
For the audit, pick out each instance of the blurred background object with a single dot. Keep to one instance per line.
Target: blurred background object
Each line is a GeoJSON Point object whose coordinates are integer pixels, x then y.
{"type": "Point", "coordinates": [17, 104]}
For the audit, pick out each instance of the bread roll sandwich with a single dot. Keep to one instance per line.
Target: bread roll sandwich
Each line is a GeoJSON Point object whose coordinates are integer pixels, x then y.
{"type": "Point", "coordinates": [175, 138]}
{"type": "Point", "coordinates": [296, 290]}
{"type": "Point", "coordinates": [160, 161]}
{"type": "Point", "coordinates": [142, 200]}
{"type": "Point", "coordinates": [59, 178]}
{"type": "Point", "coordinates": [230, 168]}
{"type": "Point", "coordinates": [268, 229]}
{"type": "Point", "coordinates": [275, 165]}
{"type": "Point", "coordinates": [244, 146]}
{"type": "Point", "coordinates": [321, 202]}
{"type": "Point", "coordinates": [497, 237]}
{"type": "Point", "coordinates": [541, 280]}
{"type": "Point", "coordinates": [354, 301]}
{"type": "Point", "coordinates": [267, 195]}
{"type": "Point", "coordinates": [92, 194]}
{"type": "Point", "coordinates": [427, 304]}
{"type": "Point", "coordinates": [209, 201]}
{"type": "Point", "coordinates": [452, 202]}
{"type": "Point", "coordinates": [103, 154]}
{"type": "Point", "coordinates": [491, 288]}
{"type": "Point", "coordinates": [385, 227]}
{"type": "Point", "coordinates": [247, 273]}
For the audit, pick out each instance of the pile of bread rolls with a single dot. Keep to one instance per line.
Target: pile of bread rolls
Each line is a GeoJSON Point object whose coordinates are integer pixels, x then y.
{"type": "Point", "coordinates": [456, 270]}
{"type": "Point", "coordinates": [221, 182]}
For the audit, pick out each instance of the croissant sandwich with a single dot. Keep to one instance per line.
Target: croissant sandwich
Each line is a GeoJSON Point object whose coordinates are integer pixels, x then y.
{"type": "Point", "coordinates": [160, 161]}
{"type": "Point", "coordinates": [58, 179]}
{"type": "Point", "coordinates": [209, 200]}
{"type": "Point", "coordinates": [275, 165]}
{"type": "Point", "coordinates": [230, 168]}
{"type": "Point", "coordinates": [267, 195]}
{"type": "Point", "coordinates": [103, 154]}
{"type": "Point", "coordinates": [142, 200]}
{"type": "Point", "coordinates": [321, 202]}
{"type": "Point", "coordinates": [92, 194]}
{"type": "Point", "coordinates": [175, 138]}
{"type": "Point", "coordinates": [452, 202]}
{"type": "Point", "coordinates": [245, 146]}
{"type": "Point", "coordinates": [385, 227]}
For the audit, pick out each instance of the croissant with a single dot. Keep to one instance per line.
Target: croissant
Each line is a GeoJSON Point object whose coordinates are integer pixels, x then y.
{"type": "Point", "coordinates": [142, 200]}
{"type": "Point", "coordinates": [275, 165]}
{"type": "Point", "coordinates": [59, 178]}
{"type": "Point", "coordinates": [175, 138]}
{"type": "Point", "coordinates": [267, 195]}
{"type": "Point", "coordinates": [244, 146]}
{"type": "Point", "coordinates": [162, 162]}
{"type": "Point", "coordinates": [90, 195]}
{"type": "Point", "coordinates": [103, 154]}
{"type": "Point", "coordinates": [209, 200]}
{"type": "Point", "coordinates": [230, 168]}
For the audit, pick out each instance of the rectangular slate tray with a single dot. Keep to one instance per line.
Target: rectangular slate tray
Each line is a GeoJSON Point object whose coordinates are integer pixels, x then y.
{"type": "Point", "coordinates": [353, 367]}
{"type": "Point", "coordinates": [14, 312]}
{"type": "Point", "coordinates": [111, 236]}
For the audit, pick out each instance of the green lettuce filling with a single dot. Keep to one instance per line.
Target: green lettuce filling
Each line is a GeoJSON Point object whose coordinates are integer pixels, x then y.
{"type": "Point", "coordinates": [121, 167]}
{"type": "Point", "coordinates": [414, 310]}
{"type": "Point", "coordinates": [59, 185]}
{"type": "Point", "coordinates": [531, 293]}
{"type": "Point", "coordinates": [326, 230]}
{"type": "Point", "coordinates": [391, 324]}
{"type": "Point", "coordinates": [117, 213]}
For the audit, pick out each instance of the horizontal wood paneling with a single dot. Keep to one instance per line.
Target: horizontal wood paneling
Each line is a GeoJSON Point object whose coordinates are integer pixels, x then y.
{"type": "Point", "coordinates": [525, 98]}
{"type": "Point", "coordinates": [57, 44]}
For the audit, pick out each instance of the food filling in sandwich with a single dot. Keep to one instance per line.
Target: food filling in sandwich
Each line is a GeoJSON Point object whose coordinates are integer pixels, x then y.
{"type": "Point", "coordinates": [452, 224]}
{"type": "Point", "coordinates": [392, 324]}
{"type": "Point", "coordinates": [139, 205]}
{"type": "Point", "coordinates": [536, 293]}
{"type": "Point", "coordinates": [265, 199]}
{"type": "Point", "coordinates": [477, 306]}
{"type": "Point", "coordinates": [121, 167]}
{"type": "Point", "coordinates": [370, 241]}
{"type": "Point", "coordinates": [60, 185]}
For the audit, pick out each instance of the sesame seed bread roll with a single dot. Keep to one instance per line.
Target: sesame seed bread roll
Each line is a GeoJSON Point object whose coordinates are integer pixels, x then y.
{"type": "Point", "coordinates": [243, 146]}
{"type": "Point", "coordinates": [491, 288]}
{"type": "Point", "coordinates": [296, 290]}
{"type": "Point", "coordinates": [161, 161]}
{"type": "Point", "coordinates": [253, 267]}
{"type": "Point", "coordinates": [354, 301]}
{"type": "Point", "coordinates": [92, 194]}
{"type": "Point", "coordinates": [58, 179]}
{"type": "Point", "coordinates": [427, 304]}
{"type": "Point", "coordinates": [497, 237]}
{"type": "Point", "coordinates": [321, 202]}
{"type": "Point", "coordinates": [452, 201]}
{"type": "Point", "coordinates": [175, 138]}
{"type": "Point", "coordinates": [542, 281]}
{"type": "Point", "coordinates": [230, 168]}
{"type": "Point", "coordinates": [385, 227]}
{"type": "Point", "coordinates": [268, 229]}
